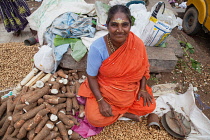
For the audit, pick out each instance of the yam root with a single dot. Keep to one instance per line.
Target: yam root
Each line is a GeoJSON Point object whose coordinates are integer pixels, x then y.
{"type": "Point", "coordinates": [72, 83]}
{"type": "Point", "coordinates": [52, 135]}
{"type": "Point", "coordinates": [19, 124]}
{"type": "Point", "coordinates": [73, 119]}
{"type": "Point", "coordinates": [53, 118]}
{"type": "Point", "coordinates": [3, 108]}
{"type": "Point", "coordinates": [35, 78]}
{"type": "Point", "coordinates": [62, 130]}
{"type": "Point", "coordinates": [75, 75]}
{"type": "Point", "coordinates": [39, 93]}
{"type": "Point", "coordinates": [31, 113]}
{"type": "Point", "coordinates": [46, 97]}
{"type": "Point", "coordinates": [26, 96]}
{"type": "Point", "coordinates": [31, 134]}
{"type": "Point", "coordinates": [65, 119]}
{"type": "Point", "coordinates": [63, 111]}
{"type": "Point", "coordinates": [70, 77]}
{"type": "Point", "coordinates": [11, 138]}
{"type": "Point", "coordinates": [3, 120]}
{"type": "Point", "coordinates": [73, 89]}
{"type": "Point", "coordinates": [81, 111]}
{"type": "Point", "coordinates": [73, 111]}
{"type": "Point", "coordinates": [59, 80]}
{"type": "Point", "coordinates": [40, 101]}
{"type": "Point", "coordinates": [74, 136]}
{"type": "Point", "coordinates": [34, 122]}
{"type": "Point", "coordinates": [45, 131]}
{"type": "Point", "coordinates": [75, 103]}
{"type": "Point", "coordinates": [82, 79]}
{"type": "Point", "coordinates": [60, 106]}
{"type": "Point", "coordinates": [15, 132]}
{"type": "Point", "coordinates": [23, 132]}
{"type": "Point", "coordinates": [9, 131]}
{"type": "Point", "coordinates": [41, 124]}
{"type": "Point", "coordinates": [5, 125]}
{"type": "Point", "coordinates": [69, 104]}
{"type": "Point", "coordinates": [29, 107]}
{"type": "Point", "coordinates": [41, 82]}
{"type": "Point", "coordinates": [62, 74]}
{"type": "Point", "coordinates": [52, 109]}
{"type": "Point", "coordinates": [4, 100]}
{"type": "Point", "coordinates": [77, 85]}
{"type": "Point", "coordinates": [63, 89]}
{"type": "Point", "coordinates": [29, 76]}
{"type": "Point", "coordinates": [55, 88]}
{"type": "Point", "coordinates": [65, 81]}
{"type": "Point", "coordinates": [10, 105]}
{"type": "Point", "coordinates": [56, 100]}
{"type": "Point", "coordinates": [55, 129]}
{"type": "Point", "coordinates": [67, 95]}
{"type": "Point", "coordinates": [16, 116]}
{"type": "Point", "coordinates": [68, 89]}
{"type": "Point", "coordinates": [20, 106]}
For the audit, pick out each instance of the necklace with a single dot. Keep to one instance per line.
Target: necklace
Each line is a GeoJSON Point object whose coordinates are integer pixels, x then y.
{"type": "Point", "coordinates": [110, 45]}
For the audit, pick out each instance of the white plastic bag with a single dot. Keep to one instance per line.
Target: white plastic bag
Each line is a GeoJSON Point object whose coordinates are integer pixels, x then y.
{"type": "Point", "coordinates": [158, 28]}
{"type": "Point", "coordinates": [139, 12]}
{"type": "Point", "coordinates": [44, 59]}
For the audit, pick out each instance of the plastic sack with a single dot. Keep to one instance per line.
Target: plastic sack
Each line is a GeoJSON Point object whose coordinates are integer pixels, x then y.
{"type": "Point", "coordinates": [139, 12]}
{"type": "Point", "coordinates": [101, 11]}
{"type": "Point", "coordinates": [44, 59]}
{"type": "Point", "coordinates": [159, 27]}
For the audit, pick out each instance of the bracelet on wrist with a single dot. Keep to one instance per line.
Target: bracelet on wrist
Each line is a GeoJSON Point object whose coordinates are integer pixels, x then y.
{"type": "Point", "coordinates": [143, 90]}
{"type": "Point", "coordinates": [99, 99]}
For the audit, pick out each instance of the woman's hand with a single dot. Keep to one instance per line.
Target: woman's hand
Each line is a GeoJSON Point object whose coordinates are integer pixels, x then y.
{"type": "Point", "coordinates": [105, 109]}
{"type": "Point", "coordinates": [146, 97]}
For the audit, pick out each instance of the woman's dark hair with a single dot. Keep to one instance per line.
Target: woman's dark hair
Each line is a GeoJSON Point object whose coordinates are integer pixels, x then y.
{"type": "Point", "coordinates": [118, 8]}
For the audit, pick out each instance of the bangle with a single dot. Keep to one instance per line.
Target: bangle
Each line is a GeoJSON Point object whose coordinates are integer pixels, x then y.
{"type": "Point", "coordinates": [143, 90]}
{"type": "Point", "coordinates": [99, 99]}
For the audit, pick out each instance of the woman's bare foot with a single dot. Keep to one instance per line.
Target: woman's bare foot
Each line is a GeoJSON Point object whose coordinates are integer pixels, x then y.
{"type": "Point", "coordinates": [133, 117]}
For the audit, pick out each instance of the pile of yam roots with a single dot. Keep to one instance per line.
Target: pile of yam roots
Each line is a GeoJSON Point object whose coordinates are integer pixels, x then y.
{"type": "Point", "coordinates": [43, 107]}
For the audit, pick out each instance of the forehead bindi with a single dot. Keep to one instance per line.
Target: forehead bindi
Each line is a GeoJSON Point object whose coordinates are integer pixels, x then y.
{"type": "Point", "coordinates": [119, 18]}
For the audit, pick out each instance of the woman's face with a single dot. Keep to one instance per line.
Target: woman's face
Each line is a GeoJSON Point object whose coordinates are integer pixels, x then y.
{"type": "Point", "coordinates": [119, 28]}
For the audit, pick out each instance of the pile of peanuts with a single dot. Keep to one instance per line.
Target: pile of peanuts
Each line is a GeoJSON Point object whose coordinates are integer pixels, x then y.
{"type": "Point", "coordinates": [131, 130]}
{"type": "Point", "coordinates": [16, 62]}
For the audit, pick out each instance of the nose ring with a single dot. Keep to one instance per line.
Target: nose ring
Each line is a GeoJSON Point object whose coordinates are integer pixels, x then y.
{"type": "Point", "coordinates": [118, 31]}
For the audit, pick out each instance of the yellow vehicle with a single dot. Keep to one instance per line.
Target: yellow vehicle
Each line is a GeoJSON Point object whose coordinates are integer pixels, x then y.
{"type": "Point", "coordinates": [197, 16]}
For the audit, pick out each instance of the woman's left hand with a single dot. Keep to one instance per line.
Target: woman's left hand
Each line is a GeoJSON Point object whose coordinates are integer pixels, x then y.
{"type": "Point", "coordinates": [146, 97]}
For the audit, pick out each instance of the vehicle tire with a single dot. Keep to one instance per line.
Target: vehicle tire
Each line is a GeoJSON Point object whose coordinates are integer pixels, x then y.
{"type": "Point", "coordinates": [190, 24]}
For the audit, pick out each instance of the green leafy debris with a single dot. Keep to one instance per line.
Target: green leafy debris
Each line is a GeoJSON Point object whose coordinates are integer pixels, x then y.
{"type": "Point", "coordinates": [196, 65]}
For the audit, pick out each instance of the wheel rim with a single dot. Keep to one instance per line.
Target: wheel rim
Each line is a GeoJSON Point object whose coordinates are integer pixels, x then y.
{"type": "Point", "coordinates": [190, 21]}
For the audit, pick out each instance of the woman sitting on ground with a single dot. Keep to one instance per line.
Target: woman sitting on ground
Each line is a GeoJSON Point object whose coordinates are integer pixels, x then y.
{"type": "Point", "coordinates": [117, 69]}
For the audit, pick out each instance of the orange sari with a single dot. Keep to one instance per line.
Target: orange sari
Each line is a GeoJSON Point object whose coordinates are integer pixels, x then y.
{"type": "Point", "coordinates": [119, 81]}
